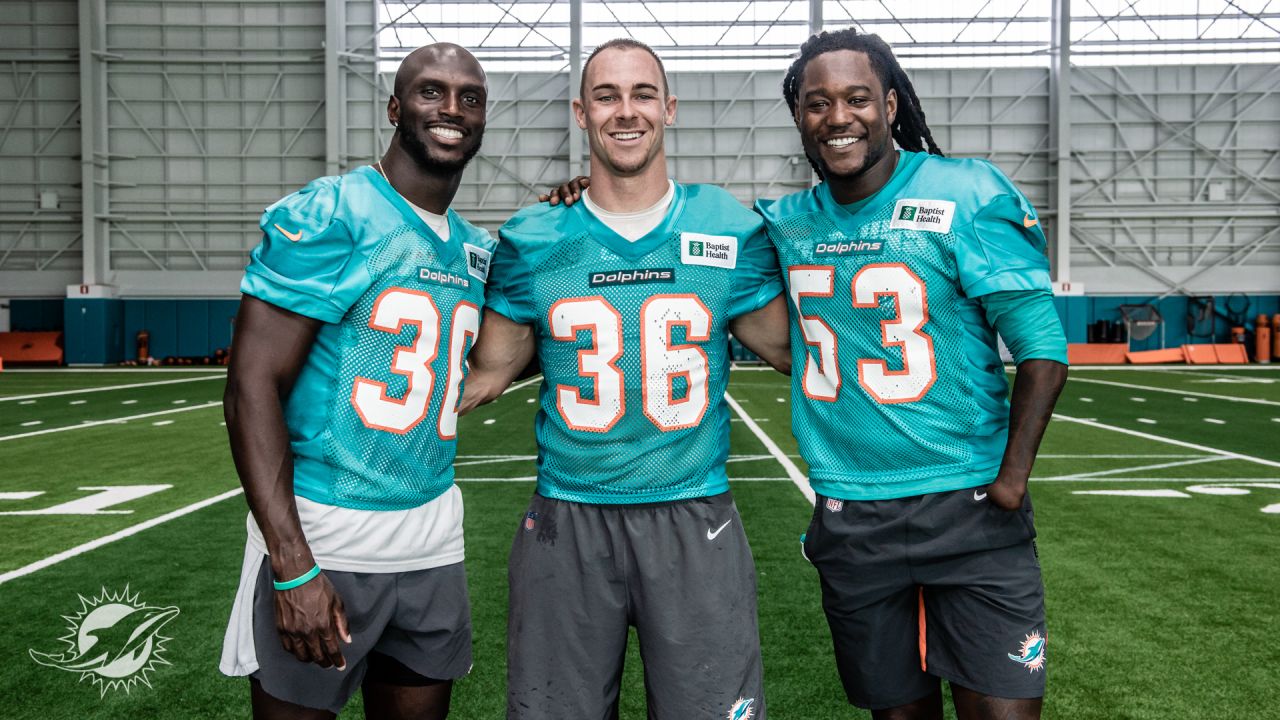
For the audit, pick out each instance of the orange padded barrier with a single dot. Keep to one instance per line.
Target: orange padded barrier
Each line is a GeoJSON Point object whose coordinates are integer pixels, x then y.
{"type": "Point", "coordinates": [1151, 357]}
{"type": "Point", "coordinates": [1224, 353]}
{"type": "Point", "coordinates": [31, 347]}
{"type": "Point", "coordinates": [1231, 353]}
{"type": "Point", "coordinates": [1200, 354]}
{"type": "Point", "coordinates": [1096, 353]}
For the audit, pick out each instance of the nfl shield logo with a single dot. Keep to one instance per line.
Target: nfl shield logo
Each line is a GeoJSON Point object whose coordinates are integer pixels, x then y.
{"type": "Point", "coordinates": [530, 520]}
{"type": "Point", "coordinates": [835, 505]}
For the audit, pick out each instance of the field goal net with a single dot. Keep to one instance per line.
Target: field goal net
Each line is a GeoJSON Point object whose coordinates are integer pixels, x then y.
{"type": "Point", "coordinates": [1141, 322]}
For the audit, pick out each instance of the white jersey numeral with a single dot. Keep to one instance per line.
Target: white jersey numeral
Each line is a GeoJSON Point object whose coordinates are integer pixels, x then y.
{"type": "Point", "coordinates": [661, 361]}
{"type": "Point", "coordinates": [598, 363]}
{"type": "Point", "coordinates": [821, 380]}
{"type": "Point", "coordinates": [392, 311]}
{"type": "Point", "coordinates": [918, 372]}
{"type": "Point", "coordinates": [465, 325]}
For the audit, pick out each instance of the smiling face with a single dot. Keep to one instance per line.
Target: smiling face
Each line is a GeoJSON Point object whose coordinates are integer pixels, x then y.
{"type": "Point", "coordinates": [845, 118]}
{"type": "Point", "coordinates": [439, 108]}
{"type": "Point", "coordinates": [624, 110]}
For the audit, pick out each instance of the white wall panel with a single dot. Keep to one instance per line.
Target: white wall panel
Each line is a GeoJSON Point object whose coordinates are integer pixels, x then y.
{"type": "Point", "coordinates": [1176, 178]}
{"type": "Point", "coordinates": [214, 109]}
{"type": "Point", "coordinates": [39, 144]}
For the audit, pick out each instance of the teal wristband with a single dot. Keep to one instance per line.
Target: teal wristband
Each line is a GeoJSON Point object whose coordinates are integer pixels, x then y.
{"type": "Point", "coordinates": [300, 580]}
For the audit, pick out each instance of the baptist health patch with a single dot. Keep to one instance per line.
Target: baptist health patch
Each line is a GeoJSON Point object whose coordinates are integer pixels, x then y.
{"type": "Point", "coordinates": [712, 250]}
{"type": "Point", "coordinates": [477, 262]}
{"type": "Point", "coordinates": [927, 215]}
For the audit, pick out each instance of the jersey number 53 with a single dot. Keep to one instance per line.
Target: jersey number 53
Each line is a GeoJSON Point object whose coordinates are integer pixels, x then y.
{"type": "Point", "coordinates": [822, 379]}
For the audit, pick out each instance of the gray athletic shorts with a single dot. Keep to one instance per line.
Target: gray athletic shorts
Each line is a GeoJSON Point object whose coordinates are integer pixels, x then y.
{"type": "Point", "coordinates": [680, 572]}
{"type": "Point", "coordinates": [945, 585]}
{"type": "Point", "coordinates": [422, 619]}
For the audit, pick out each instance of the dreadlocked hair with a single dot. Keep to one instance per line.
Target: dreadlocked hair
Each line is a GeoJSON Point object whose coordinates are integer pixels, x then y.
{"type": "Point", "coordinates": [909, 127]}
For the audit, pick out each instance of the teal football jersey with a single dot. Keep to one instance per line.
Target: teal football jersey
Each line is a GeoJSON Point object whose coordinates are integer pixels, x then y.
{"type": "Point", "coordinates": [898, 386]}
{"type": "Point", "coordinates": [373, 414]}
{"type": "Point", "coordinates": [633, 341]}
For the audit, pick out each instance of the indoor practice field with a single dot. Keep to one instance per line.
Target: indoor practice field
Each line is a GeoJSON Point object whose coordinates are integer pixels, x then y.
{"type": "Point", "coordinates": [1157, 498]}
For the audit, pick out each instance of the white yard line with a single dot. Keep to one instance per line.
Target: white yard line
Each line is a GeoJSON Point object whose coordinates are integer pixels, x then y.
{"type": "Point", "coordinates": [1135, 493]}
{"type": "Point", "coordinates": [1118, 471]}
{"type": "Point", "coordinates": [1184, 393]}
{"type": "Point", "coordinates": [793, 472]}
{"type": "Point", "coordinates": [749, 368]}
{"type": "Point", "coordinates": [135, 529]}
{"type": "Point", "coordinates": [1246, 379]}
{"type": "Point", "coordinates": [497, 461]}
{"type": "Point", "coordinates": [1168, 441]}
{"type": "Point", "coordinates": [113, 421]}
{"type": "Point", "coordinates": [105, 388]}
{"type": "Point", "coordinates": [522, 384]}
{"type": "Point", "coordinates": [118, 535]}
{"type": "Point", "coordinates": [116, 421]}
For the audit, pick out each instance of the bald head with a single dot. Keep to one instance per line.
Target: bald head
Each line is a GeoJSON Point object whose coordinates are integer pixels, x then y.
{"type": "Point", "coordinates": [438, 109]}
{"type": "Point", "coordinates": [445, 56]}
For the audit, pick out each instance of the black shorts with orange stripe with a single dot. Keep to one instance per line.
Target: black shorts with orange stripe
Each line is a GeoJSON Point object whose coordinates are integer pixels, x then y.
{"type": "Point", "coordinates": [938, 586]}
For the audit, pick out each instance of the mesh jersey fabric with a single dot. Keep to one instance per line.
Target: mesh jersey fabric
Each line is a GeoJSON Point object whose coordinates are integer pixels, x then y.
{"type": "Point", "coordinates": [898, 386]}
{"type": "Point", "coordinates": [633, 341]}
{"type": "Point", "coordinates": [368, 419]}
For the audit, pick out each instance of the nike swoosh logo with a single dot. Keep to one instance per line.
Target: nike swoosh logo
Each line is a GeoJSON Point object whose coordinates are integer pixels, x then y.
{"type": "Point", "coordinates": [979, 497]}
{"type": "Point", "coordinates": [712, 535]}
{"type": "Point", "coordinates": [293, 237]}
{"type": "Point", "coordinates": [1027, 222]}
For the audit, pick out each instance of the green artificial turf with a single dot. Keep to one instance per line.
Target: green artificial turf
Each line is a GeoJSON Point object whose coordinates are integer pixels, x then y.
{"type": "Point", "coordinates": [1159, 607]}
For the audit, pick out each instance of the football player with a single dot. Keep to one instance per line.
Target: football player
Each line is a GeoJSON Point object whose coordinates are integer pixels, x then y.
{"type": "Point", "coordinates": [627, 298]}
{"type": "Point", "coordinates": [359, 309]}
{"type": "Point", "coordinates": [901, 267]}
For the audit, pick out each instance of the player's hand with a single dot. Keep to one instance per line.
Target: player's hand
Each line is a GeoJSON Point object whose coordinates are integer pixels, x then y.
{"type": "Point", "coordinates": [568, 193]}
{"type": "Point", "coordinates": [475, 393]}
{"type": "Point", "coordinates": [1007, 494]}
{"type": "Point", "coordinates": [311, 620]}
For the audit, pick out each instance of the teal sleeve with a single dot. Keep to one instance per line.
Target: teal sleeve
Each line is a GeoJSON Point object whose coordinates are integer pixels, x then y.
{"type": "Point", "coordinates": [1028, 324]}
{"type": "Point", "coordinates": [757, 279]}
{"type": "Point", "coordinates": [307, 261]}
{"type": "Point", "coordinates": [1003, 248]}
{"type": "Point", "coordinates": [509, 291]}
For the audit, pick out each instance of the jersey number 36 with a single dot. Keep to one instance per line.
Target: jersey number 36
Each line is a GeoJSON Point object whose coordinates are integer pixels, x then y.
{"type": "Point", "coordinates": [661, 362]}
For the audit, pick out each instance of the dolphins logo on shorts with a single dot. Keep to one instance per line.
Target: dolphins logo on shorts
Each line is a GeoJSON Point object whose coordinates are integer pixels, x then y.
{"type": "Point", "coordinates": [1031, 652]}
{"type": "Point", "coordinates": [743, 709]}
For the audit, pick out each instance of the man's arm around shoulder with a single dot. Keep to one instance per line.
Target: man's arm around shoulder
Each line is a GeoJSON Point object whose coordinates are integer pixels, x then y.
{"type": "Point", "coordinates": [767, 333]}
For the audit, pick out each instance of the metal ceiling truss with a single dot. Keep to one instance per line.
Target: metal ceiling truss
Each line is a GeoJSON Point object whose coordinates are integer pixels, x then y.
{"type": "Point", "coordinates": [206, 110]}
